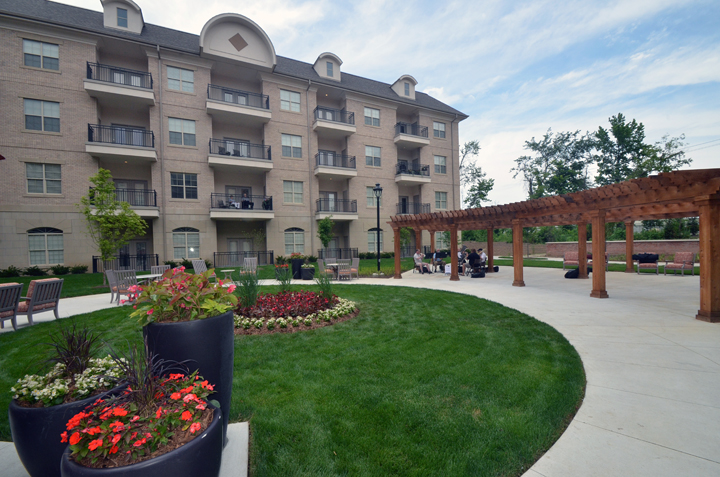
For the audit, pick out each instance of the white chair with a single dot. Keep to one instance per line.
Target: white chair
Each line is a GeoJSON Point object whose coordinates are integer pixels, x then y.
{"type": "Point", "coordinates": [249, 266]}
{"type": "Point", "coordinates": [154, 270]}
{"type": "Point", "coordinates": [200, 267]}
{"type": "Point", "coordinates": [343, 272]}
{"type": "Point", "coordinates": [355, 268]}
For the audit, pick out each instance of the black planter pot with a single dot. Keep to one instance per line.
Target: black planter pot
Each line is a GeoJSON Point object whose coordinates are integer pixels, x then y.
{"type": "Point", "coordinates": [308, 273]}
{"type": "Point", "coordinates": [200, 456]}
{"type": "Point", "coordinates": [207, 345]}
{"type": "Point", "coordinates": [279, 271]}
{"type": "Point", "coordinates": [297, 264]}
{"type": "Point", "coordinates": [36, 433]}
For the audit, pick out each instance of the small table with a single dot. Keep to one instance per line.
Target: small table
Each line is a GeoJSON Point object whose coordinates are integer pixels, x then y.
{"type": "Point", "coordinates": [147, 278]}
{"type": "Point", "coordinates": [228, 274]}
{"type": "Point", "coordinates": [334, 266]}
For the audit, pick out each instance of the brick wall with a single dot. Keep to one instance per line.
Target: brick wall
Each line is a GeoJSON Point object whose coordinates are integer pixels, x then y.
{"type": "Point", "coordinates": [663, 247]}
{"type": "Point", "coordinates": [506, 249]}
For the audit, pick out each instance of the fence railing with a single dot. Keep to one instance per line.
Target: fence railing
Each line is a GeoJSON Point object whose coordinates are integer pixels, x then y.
{"type": "Point", "coordinates": [236, 259]}
{"type": "Point", "coordinates": [121, 135]}
{"type": "Point", "coordinates": [117, 75]}
{"type": "Point", "coordinates": [335, 115]}
{"type": "Point", "coordinates": [236, 96]}
{"type": "Point", "coordinates": [412, 169]}
{"type": "Point", "coordinates": [139, 263]}
{"type": "Point", "coordinates": [224, 147]}
{"type": "Point", "coordinates": [234, 201]}
{"type": "Point", "coordinates": [338, 253]}
{"type": "Point", "coordinates": [335, 160]}
{"type": "Point", "coordinates": [413, 129]}
{"type": "Point", "coordinates": [134, 197]}
{"type": "Point", "coordinates": [336, 205]}
{"type": "Point", "coordinates": [412, 208]}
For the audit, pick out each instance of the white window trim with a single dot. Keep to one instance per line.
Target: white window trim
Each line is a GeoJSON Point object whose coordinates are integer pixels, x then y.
{"type": "Point", "coordinates": [294, 192]}
{"type": "Point", "coordinates": [180, 80]}
{"type": "Point", "coordinates": [185, 186]}
{"type": "Point", "coordinates": [46, 249]}
{"type": "Point", "coordinates": [290, 101]}
{"type": "Point", "coordinates": [44, 179]}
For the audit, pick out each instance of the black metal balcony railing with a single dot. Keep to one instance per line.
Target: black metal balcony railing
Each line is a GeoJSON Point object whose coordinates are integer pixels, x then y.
{"type": "Point", "coordinates": [237, 259]}
{"type": "Point", "coordinates": [120, 135]}
{"type": "Point", "coordinates": [413, 129]}
{"type": "Point", "coordinates": [405, 208]}
{"type": "Point", "coordinates": [236, 96]}
{"type": "Point", "coordinates": [335, 115]}
{"type": "Point", "coordinates": [231, 201]}
{"type": "Point", "coordinates": [335, 160]}
{"type": "Point", "coordinates": [342, 253]}
{"type": "Point", "coordinates": [224, 147]}
{"type": "Point", "coordinates": [336, 205]}
{"type": "Point", "coordinates": [116, 75]}
{"type": "Point", "coordinates": [413, 169]}
{"type": "Point", "coordinates": [134, 197]}
{"type": "Point", "coordinates": [125, 262]}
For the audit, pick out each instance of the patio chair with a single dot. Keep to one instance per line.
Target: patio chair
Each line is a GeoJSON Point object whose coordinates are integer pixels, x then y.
{"type": "Point", "coordinates": [112, 283]}
{"type": "Point", "coordinates": [9, 302]}
{"type": "Point", "coordinates": [200, 267]}
{"type": "Point", "coordinates": [42, 295]}
{"type": "Point", "coordinates": [343, 272]}
{"type": "Point", "coordinates": [682, 261]}
{"type": "Point", "coordinates": [571, 259]}
{"type": "Point", "coordinates": [647, 261]}
{"type": "Point", "coordinates": [124, 280]}
{"type": "Point", "coordinates": [355, 268]}
{"type": "Point", "coordinates": [159, 269]}
{"type": "Point", "coordinates": [249, 266]}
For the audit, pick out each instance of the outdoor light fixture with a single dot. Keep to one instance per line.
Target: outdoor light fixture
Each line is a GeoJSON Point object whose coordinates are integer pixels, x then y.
{"type": "Point", "coordinates": [377, 191]}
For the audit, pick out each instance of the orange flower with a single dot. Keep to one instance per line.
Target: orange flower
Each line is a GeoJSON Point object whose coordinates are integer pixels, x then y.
{"type": "Point", "coordinates": [116, 438]}
{"type": "Point", "coordinates": [186, 416]}
{"type": "Point", "coordinates": [175, 396]}
{"type": "Point", "coordinates": [116, 426]}
{"type": "Point", "coordinates": [177, 376]}
{"type": "Point", "coordinates": [93, 430]}
{"type": "Point", "coordinates": [113, 449]}
{"type": "Point", "coordinates": [75, 438]}
{"type": "Point", "coordinates": [95, 444]}
{"type": "Point", "coordinates": [139, 442]}
{"type": "Point", "coordinates": [158, 413]}
{"type": "Point", "coordinates": [118, 411]}
{"type": "Point", "coordinates": [63, 437]}
{"type": "Point", "coordinates": [195, 427]}
{"type": "Point", "coordinates": [189, 397]}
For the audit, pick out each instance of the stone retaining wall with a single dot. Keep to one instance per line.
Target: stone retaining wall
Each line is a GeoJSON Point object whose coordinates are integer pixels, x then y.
{"type": "Point", "coordinates": [662, 247]}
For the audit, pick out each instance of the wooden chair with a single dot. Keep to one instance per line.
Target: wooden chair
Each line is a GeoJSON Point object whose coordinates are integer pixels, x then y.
{"type": "Point", "coordinates": [200, 266]}
{"type": "Point", "coordinates": [124, 280]}
{"type": "Point", "coordinates": [9, 302]}
{"type": "Point", "coordinates": [355, 268]}
{"type": "Point", "coordinates": [159, 269]}
{"type": "Point", "coordinates": [682, 261]}
{"type": "Point", "coordinates": [648, 266]}
{"type": "Point", "coordinates": [42, 295]}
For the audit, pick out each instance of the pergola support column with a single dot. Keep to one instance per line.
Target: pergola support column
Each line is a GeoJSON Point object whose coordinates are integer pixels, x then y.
{"type": "Point", "coordinates": [582, 250]}
{"type": "Point", "coordinates": [517, 238]}
{"type": "Point", "coordinates": [629, 245]}
{"type": "Point", "coordinates": [598, 253]}
{"type": "Point", "coordinates": [453, 253]}
{"type": "Point", "coordinates": [709, 258]}
{"type": "Point", "coordinates": [432, 242]}
{"type": "Point", "coordinates": [396, 235]}
{"type": "Point", "coordinates": [490, 243]}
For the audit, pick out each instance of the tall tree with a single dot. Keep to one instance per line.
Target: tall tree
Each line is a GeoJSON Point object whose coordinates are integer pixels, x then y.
{"type": "Point", "coordinates": [473, 177]}
{"type": "Point", "coordinates": [325, 232]}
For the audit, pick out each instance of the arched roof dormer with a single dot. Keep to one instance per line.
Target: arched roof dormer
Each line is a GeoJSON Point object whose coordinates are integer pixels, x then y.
{"type": "Point", "coordinates": [405, 86]}
{"type": "Point", "coordinates": [234, 37]}
{"type": "Point", "coordinates": [328, 65]}
{"type": "Point", "coordinates": [123, 15]}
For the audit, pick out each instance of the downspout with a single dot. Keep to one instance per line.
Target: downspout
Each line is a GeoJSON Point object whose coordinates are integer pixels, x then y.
{"type": "Point", "coordinates": [162, 158]}
{"type": "Point", "coordinates": [310, 170]}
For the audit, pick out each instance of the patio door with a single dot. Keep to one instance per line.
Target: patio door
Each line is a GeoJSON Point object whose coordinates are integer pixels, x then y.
{"type": "Point", "coordinates": [237, 147]}
{"type": "Point", "coordinates": [403, 205]}
{"type": "Point", "coordinates": [238, 249]}
{"type": "Point", "coordinates": [327, 158]}
{"type": "Point", "coordinates": [132, 192]}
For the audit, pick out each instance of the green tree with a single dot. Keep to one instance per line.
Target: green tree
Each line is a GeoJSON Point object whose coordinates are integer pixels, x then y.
{"type": "Point", "coordinates": [405, 236]}
{"type": "Point", "coordinates": [473, 177]}
{"type": "Point", "coordinates": [325, 231]}
{"type": "Point", "coordinates": [111, 223]}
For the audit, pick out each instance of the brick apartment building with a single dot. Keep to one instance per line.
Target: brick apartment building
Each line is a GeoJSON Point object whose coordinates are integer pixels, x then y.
{"type": "Point", "coordinates": [219, 144]}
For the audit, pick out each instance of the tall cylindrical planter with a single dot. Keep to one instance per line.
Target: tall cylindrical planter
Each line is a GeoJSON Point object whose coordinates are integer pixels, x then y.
{"type": "Point", "coordinates": [36, 433]}
{"type": "Point", "coordinates": [200, 456]}
{"type": "Point", "coordinates": [207, 345]}
{"type": "Point", "coordinates": [297, 264]}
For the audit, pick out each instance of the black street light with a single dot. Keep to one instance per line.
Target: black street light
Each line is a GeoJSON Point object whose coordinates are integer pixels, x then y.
{"type": "Point", "coordinates": [377, 191]}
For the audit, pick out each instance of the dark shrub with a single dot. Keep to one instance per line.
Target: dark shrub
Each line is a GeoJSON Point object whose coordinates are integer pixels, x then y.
{"type": "Point", "coordinates": [60, 270]}
{"type": "Point", "coordinates": [78, 269]}
{"type": "Point", "coordinates": [11, 271]}
{"type": "Point", "coordinates": [34, 271]}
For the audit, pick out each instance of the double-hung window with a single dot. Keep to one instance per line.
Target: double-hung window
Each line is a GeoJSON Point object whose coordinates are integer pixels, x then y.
{"type": "Point", "coordinates": [292, 192]}
{"type": "Point", "coordinates": [440, 165]}
{"type": "Point", "coordinates": [372, 117]}
{"type": "Point", "coordinates": [38, 54]}
{"type": "Point", "coordinates": [438, 129]}
{"type": "Point", "coordinates": [180, 79]}
{"type": "Point", "coordinates": [441, 200]}
{"type": "Point", "coordinates": [43, 178]}
{"type": "Point", "coordinates": [289, 100]}
{"type": "Point", "coordinates": [45, 245]}
{"type": "Point", "coordinates": [330, 68]}
{"type": "Point", "coordinates": [183, 186]}
{"type": "Point", "coordinates": [182, 131]}
{"type": "Point", "coordinates": [42, 115]}
{"type": "Point", "coordinates": [294, 241]}
{"type": "Point", "coordinates": [186, 243]}
{"type": "Point", "coordinates": [407, 89]}
{"type": "Point", "coordinates": [372, 156]}
{"type": "Point", "coordinates": [291, 145]}
{"type": "Point", "coordinates": [372, 201]}
{"type": "Point", "coordinates": [122, 17]}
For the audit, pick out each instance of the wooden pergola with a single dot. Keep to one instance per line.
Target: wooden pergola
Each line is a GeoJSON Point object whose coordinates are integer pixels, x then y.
{"type": "Point", "coordinates": [688, 193]}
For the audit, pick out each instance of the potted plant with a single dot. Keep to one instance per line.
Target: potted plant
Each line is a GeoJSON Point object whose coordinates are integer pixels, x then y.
{"type": "Point", "coordinates": [187, 318]}
{"type": "Point", "coordinates": [42, 404]}
{"type": "Point", "coordinates": [308, 271]}
{"type": "Point", "coordinates": [280, 270]}
{"type": "Point", "coordinates": [297, 260]}
{"type": "Point", "coordinates": [159, 426]}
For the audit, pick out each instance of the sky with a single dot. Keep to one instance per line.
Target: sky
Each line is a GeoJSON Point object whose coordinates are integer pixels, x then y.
{"type": "Point", "coordinates": [516, 68]}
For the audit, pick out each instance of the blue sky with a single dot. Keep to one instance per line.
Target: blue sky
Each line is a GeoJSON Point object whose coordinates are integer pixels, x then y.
{"type": "Point", "coordinates": [516, 68]}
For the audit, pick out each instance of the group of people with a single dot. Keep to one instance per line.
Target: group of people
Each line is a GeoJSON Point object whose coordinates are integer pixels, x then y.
{"type": "Point", "coordinates": [246, 202]}
{"type": "Point", "coordinates": [467, 260]}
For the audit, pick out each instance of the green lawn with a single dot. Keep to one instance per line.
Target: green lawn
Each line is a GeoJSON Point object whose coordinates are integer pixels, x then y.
{"type": "Point", "coordinates": [422, 382]}
{"type": "Point", "coordinates": [544, 263]}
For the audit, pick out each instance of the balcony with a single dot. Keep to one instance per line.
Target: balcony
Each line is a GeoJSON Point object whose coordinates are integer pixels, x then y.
{"type": "Point", "coordinates": [253, 208]}
{"type": "Point", "coordinates": [114, 86]}
{"type": "Point", "coordinates": [411, 208]}
{"type": "Point", "coordinates": [142, 201]}
{"type": "Point", "coordinates": [411, 136]}
{"type": "Point", "coordinates": [121, 143]}
{"type": "Point", "coordinates": [339, 209]}
{"type": "Point", "coordinates": [239, 156]}
{"type": "Point", "coordinates": [411, 173]}
{"type": "Point", "coordinates": [334, 166]}
{"type": "Point", "coordinates": [333, 123]}
{"type": "Point", "coordinates": [237, 106]}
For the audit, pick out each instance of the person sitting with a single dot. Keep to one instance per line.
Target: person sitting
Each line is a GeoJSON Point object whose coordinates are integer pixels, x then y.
{"type": "Point", "coordinates": [232, 202]}
{"type": "Point", "coordinates": [437, 261]}
{"type": "Point", "coordinates": [422, 266]}
{"type": "Point", "coordinates": [246, 203]}
{"type": "Point", "coordinates": [473, 259]}
{"type": "Point", "coordinates": [483, 259]}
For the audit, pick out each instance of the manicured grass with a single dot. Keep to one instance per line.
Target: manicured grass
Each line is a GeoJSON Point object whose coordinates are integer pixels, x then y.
{"type": "Point", "coordinates": [544, 263]}
{"type": "Point", "coordinates": [422, 382]}
{"type": "Point", "coordinates": [74, 285]}
{"type": "Point", "coordinates": [367, 268]}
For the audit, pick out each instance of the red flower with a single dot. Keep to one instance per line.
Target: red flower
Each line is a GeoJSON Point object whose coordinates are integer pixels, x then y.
{"type": "Point", "coordinates": [75, 438]}
{"type": "Point", "coordinates": [135, 418]}
{"type": "Point", "coordinates": [116, 426]}
{"type": "Point", "coordinates": [93, 430]}
{"type": "Point", "coordinates": [175, 396]}
{"type": "Point", "coordinates": [158, 413]}
{"type": "Point", "coordinates": [139, 442]}
{"type": "Point", "coordinates": [195, 427]}
{"type": "Point", "coordinates": [63, 437]}
{"type": "Point", "coordinates": [95, 444]}
{"type": "Point", "coordinates": [186, 416]}
{"type": "Point", "coordinates": [189, 397]}
{"type": "Point", "coordinates": [118, 411]}
{"type": "Point", "coordinates": [113, 449]}
{"type": "Point", "coordinates": [116, 438]}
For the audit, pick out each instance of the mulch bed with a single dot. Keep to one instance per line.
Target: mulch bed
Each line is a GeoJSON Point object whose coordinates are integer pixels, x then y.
{"type": "Point", "coordinates": [292, 329]}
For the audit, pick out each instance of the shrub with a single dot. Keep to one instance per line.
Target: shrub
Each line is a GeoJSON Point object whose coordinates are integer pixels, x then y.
{"type": "Point", "coordinates": [60, 270]}
{"type": "Point", "coordinates": [34, 271]}
{"type": "Point", "coordinates": [284, 276]}
{"type": "Point", "coordinates": [248, 289]}
{"type": "Point", "coordinates": [280, 260]}
{"type": "Point", "coordinates": [312, 258]}
{"type": "Point", "coordinates": [186, 263]}
{"type": "Point", "coordinates": [172, 263]}
{"type": "Point", "coordinates": [387, 254]}
{"type": "Point", "coordinates": [78, 269]}
{"type": "Point", "coordinates": [324, 281]}
{"type": "Point", "coordinates": [11, 271]}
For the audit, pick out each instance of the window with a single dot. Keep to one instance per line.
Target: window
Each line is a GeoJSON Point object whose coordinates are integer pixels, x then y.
{"type": "Point", "coordinates": [180, 80]}
{"type": "Point", "coordinates": [292, 192]}
{"type": "Point", "coordinates": [46, 246]}
{"type": "Point", "coordinates": [186, 243]}
{"type": "Point", "coordinates": [441, 241]}
{"type": "Point", "coordinates": [372, 156]}
{"type": "Point", "coordinates": [372, 117]}
{"type": "Point", "coordinates": [371, 199]}
{"type": "Point", "coordinates": [42, 115]}
{"type": "Point", "coordinates": [291, 145]}
{"type": "Point", "coordinates": [438, 129]}
{"type": "Point", "coordinates": [407, 89]}
{"type": "Point", "coordinates": [182, 131]}
{"type": "Point", "coordinates": [122, 17]}
{"type": "Point", "coordinates": [440, 165]}
{"type": "Point", "coordinates": [441, 200]}
{"type": "Point", "coordinates": [183, 186]}
{"type": "Point", "coordinates": [294, 241]}
{"type": "Point", "coordinates": [372, 240]}
{"type": "Point", "coordinates": [289, 100]}
{"type": "Point", "coordinates": [43, 178]}
{"type": "Point", "coordinates": [329, 68]}
{"type": "Point", "coordinates": [41, 55]}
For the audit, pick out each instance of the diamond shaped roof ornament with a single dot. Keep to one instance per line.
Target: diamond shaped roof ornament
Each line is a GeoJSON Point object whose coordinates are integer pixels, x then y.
{"type": "Point", "coordinates": [238, 42]}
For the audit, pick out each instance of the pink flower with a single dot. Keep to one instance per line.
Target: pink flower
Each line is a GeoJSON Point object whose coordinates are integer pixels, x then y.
{"type": "Point", "coordinates": [122, 302]}
{"type": "Point", "coordinates": [231, 288]}
{"type": "Point", "coordinates": [195, 427]}
{"type": "Point", "coordinates": [150, 311]}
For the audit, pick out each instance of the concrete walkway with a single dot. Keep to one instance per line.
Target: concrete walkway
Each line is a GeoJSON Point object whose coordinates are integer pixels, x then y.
{"type": "Point", "coordinates": [652, 404]}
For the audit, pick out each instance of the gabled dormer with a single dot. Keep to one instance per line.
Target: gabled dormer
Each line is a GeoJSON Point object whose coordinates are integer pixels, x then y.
{"type": "Point", "coordinates": [327, 66]}
{"type": "Point", "coordinates": [405, 86]}
{"type": "Point", "coordinates": [124, 15]}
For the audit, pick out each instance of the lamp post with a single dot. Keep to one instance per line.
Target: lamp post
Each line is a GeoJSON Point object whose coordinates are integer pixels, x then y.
{"type": "Point", "coordinates": [377, 191]}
